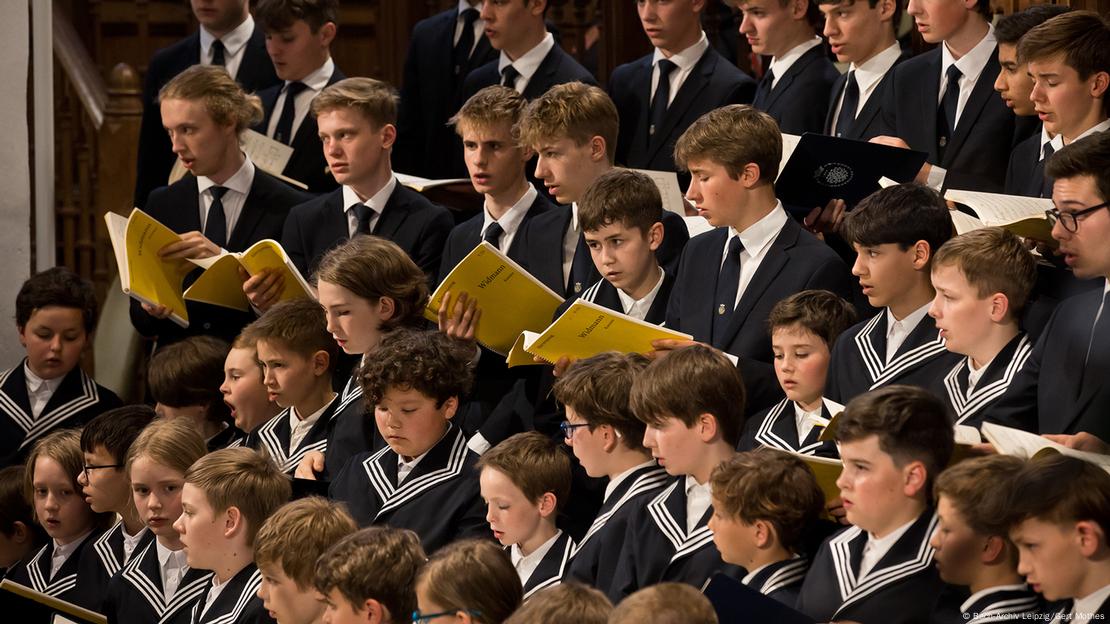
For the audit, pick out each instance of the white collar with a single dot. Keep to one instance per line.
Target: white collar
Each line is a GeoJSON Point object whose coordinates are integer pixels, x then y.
{"type": "Point", "coordinates": [972, 63]}
{"type": "Point", "coordinates": [759, 235]}
{"type": "Point", "coordinates": [63, 551]}
{"type": "Point", "coordinates": [526, 564]}
{"type": "Point", "coordinates": [512, 218]}
{"type": "Point", "coordinates": [979, 595]}
{"type": "Point", "coordinates": [617, 480]}
{"type": "Point", "coordinates": [873, 69]}
{"type": "Point", "coordinates": [164, 555]}
{"type": "Point", "coordinates": [751, 575]}
{"type": "Point", "coordinates": [318, 79]}
{"type": "Point", "coordinates": [1102, 126]}
{"type": "Point", "coordinates": [233, 40]}
{"type": "Point", "coordinates": [975, 374]}
{"type": "Point", "coordinates": [240, 182]}
{"type": "Point", "coordinates": [1047, 140]}
{"type": "Point", "coordinates": [574, 216]}
{"type": "Point", "coordinates": [530, 61]}
{"type": "Point", "coordinates": [465, 4]}
{"type": "Point", "coordinates": [882, 545]}
{"type": "Point", "coordinates": [1090, 603]}
{"type": "Point", "coordinates": [377, 202]}
{"type": "Point", "coordinates": [630, 304]}
{"type": "Point", "coordinates": [910, 322]}
{"type": "Point", "coordinates": [36, 384]}
{"type": "Point", "coordinates": [782, 64]}
{"type": "Point", "coordinates": [691, 484]}
{"type": "Point", "coordinates": [686, 59]}
{"type": "Point", "coordinates": [306, 423]}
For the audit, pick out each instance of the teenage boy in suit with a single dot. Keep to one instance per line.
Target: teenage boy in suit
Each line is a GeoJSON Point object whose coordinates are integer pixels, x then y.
{"type": "Point", "coordinates": [227, 37]}
{"type": "Point", "coordinates": [796, 86]}
{"type": "Point", "coordinates": [659, 95]}
{"type": "Point", "coordinates": [298, 39]}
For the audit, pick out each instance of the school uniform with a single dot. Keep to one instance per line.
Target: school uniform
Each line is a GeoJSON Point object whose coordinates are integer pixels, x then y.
{"type": "Point", "coordinates": [138, 593]}
{"type": "Point", "coordinates": [62, 584]}
{"type": "Point", "coordinates": [1095, 607]}
{"type": "Point", "coordinates": [698, 80]}
{"type": "Point", "coordinates": [1025, 170]}
{"type": "Point", "coordinates": [439, 499]}
{"type": "Point", "coordinates": [228, 437]}
{"type": "Point", "coordinates": [861, 361]}
{"type": "Point", "coordinates": [263, 208]}
{"type": "Point", "coordinates": [900, 588]}
{"type": "Point", "coordinates": [275, 436]}
{"type": "Point", "coordinates": [968, 396]}
{"type": "Point", "coordinates": [107, 555]}
{"type": "Point", "coordinates": [247, 62]}
{"type": "Point", "coordinates": [779, 428]}
{"type": "Point", "coordinates": [546, 566]}
{"type": "Point", "coordinates": [352, 430]}
{"type": "Point", "coordinates": [402, 215]}
{"type": "Point", "coordinates": [236, 603]}
{"type": "Point", "coordinates": [995, 604]}
{"type": "Point", "coordinates": [539, 69]}
{"type": "Point", "coordinates": [868, 79]}
{"type": "Point", "coordinates": [795, 90]}
{"type": "Point", "coordinates": [307, 164]}
{"type": "Point", "coordinates": [781, 580]}
{"type": "Point", "coordinates": [73, 400]}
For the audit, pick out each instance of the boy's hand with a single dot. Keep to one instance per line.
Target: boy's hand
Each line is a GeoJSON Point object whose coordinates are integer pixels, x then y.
{"type": "Point", "coordinates": [1081, 441]}
{"type": "Point", "coordinates": [835, 509]}
{"type": "Point", "coordinates": [562, 365]}
{"type": "Point", "coordinates": [311, 463]}
{"type": "Point", "coordinates": [460, 323]}
{"type": "Point", "coordinates": [193, 245]}
{"type": "Point", "coordinates": [828, 219]}
{"type": "Point", "coordinates": [264, 289]}
{"type": "Point", "coordinates": [666, 345]}
{"type": "Point", "coordinates": [922, 176]}
{"type": "Point", "coordinates": [160, 312]}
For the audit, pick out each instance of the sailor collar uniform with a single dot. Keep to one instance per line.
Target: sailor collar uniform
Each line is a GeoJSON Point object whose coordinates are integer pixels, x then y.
{"type": "Point", "coordinates": [969, 407]}
{"type": "Point", "coordinates": [237, 603]}
{"type": "Point", "coordinates": [781, 580]}
{"type": "Point", "coordinates": [137, 595]}
{"type": "Point", "coordinates": [103, 560]}
{"type": "Point", "coordinates": [273, 436]}
{"type": "Point", "coordinates": [35, 572]}
{"type": "Point", "coordinates": [777, 428]}
{"type": "Point", "coordinates": [550, 570]}
{"type": "Point", "coordinates": [1001, 604]}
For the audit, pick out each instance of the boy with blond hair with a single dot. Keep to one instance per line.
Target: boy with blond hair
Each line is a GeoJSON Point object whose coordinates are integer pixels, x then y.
{"type": "Point", "coordinates": [370, 577]}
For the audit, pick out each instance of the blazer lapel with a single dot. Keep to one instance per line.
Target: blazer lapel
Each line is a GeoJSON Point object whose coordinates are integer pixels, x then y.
{"type": "Point", "coordinates": [834, 97]}
{"type": "Point", "coordinates": [636, 484]}
{"type": "Point", "coordinates": [910, 555]}
{"type": "Point", "coordinates": [543, 78]}
{"type": "Point", "coordinates": [773, 430]}
{"type": "Point", "coordinates": [143, 573]}
{"type": "Point", "coordinates": [874, 102]}
{"type": "Point", "coordinates": [253, 209]}
{"type": "Point", "coordinates": [269, 101]}
{"type": "Point", "coordinates": [846, 550]}
{"type": "Point", "coordinates": [657, 313]}
{"type": "Point", "coordinates": [109, 549]}
{"type": "Point", "coordinates": [994, 382]}
{"type": "Point", "coordinates": [687, 94]}
{"type": "Point", "coordinates": [333, 223]}
{"type": "Point", "coordinates": [774, 261]}
{"type": "Point", "coordinates": [606, 295]}
{"type": "Point", "coordinates": [930, 103]}
{"type": "Point", "coordinates": [444, 462]}
{"type": "Point", "coordinates": [703, 322]}
{"type": "Point", "coordinates": [14, 400]}
{"type": "Point", "coordinates": [77, 392]}
{"type": "Point", "coordinates": [393, 215]}
{"type": "Point", "coordinates": [981, 93]}
{"type": "Point", "coordinates": [551, 568]}
{"type": "Point", "coordinates": [273, 436]}
{"type": "Point", "coordinates": [233, 599]}
{"type": "Point", "coordinates": [798, 67]}
{"type": "Point", "coordinates": [780, 575]}
{"type": "Point", "coordinates": [923, 343]}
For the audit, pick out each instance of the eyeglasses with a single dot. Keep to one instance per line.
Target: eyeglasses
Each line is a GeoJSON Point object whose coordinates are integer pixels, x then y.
{"type": "Point", "coordinates": [568, 428]}
{"type": "Point", "coordinates": [1070, 220]}
{"type": "Point", "coordinates": [424, 618]}
{"type": "Point", "coordinates": [87, 468]}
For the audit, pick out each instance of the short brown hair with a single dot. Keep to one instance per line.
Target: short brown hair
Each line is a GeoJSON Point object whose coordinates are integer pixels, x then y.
{"type": "Point", "coordinates": [1089, 156]}
{"type": "Point", "coordinates": [298, 325]}
{"type": "Point", "coordinates": [244, 479]}
{"type": "Point", "coordinates": [572, 110]}
{"type": "Point", "coordinates": [173, 443]}
{"type": "Point", "coordinates": [275, 15]}
{"type": "Point", "coordinates": [1061, 490]}
{"type": "Point", "coordinates": [226, 102]}
{"type": "Point", "coordinates": [665, 603]}
{"type": "Point", "coordinates": [190, 372]}
{"type": "Point", "coordinates": [116, 430]}
{"type": "Point", "coordinates": [491, 106]}
{"type": "Point", "coordinates": [374, 99]}
{"type": "Point", "coordinates": [597, 389]}
{"type": "Point", "coordinates": [377, 563]}
{"type": "Point", "coordinates": [473, 575]}
{"type": "Point", "coordinates": [64, 447]}
{"type": "Point", "coordinates": [910, 423]}
{"type": "Point", "coordinates": [534, 463]}
{"type": "Point", "coordinates": [56, 287]}
{"type": "Point", "coordinates": [297, 534]}
{"type": "Point", "coordinates": [565, 602]}
{"type": "Point", "coordinates": [733, 136]}
{"type": "Point", "coordinates": [687, 383]}
{"type": "Point", "coordinates": [372, 267]}
{"type": "Point", "coordinates": [992, 260]}
{"type": "Point", "coordinates": [819, 312]}
{"type": "Point", "coordinates": [773, 486]}
{"type": "Point", "coordinates": [977, 488]}
{"type": "Point", "coordinates": [1081, 37]}
{"type": "Point", "coordinates": [16, 507]}
{"type": "Point", "coordinates": [621, 196]}
{"type": "Point", "coordinates": [426, 361]}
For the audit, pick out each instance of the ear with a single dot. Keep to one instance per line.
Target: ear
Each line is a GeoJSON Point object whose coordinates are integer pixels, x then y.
{"type": "Point", "coordinates": [598, 149]}
{"type": "Point", "coordinates": [915, 475]}
{"type": "Point", "coordinates": [1090, 538]}
{"type": "Point", "coordinates": [922, 253]}
{"type": "Point", "coordinates": [376, 613]}
{"type": "Point", "coordinates": [1099, 83]}
{"type": "Point", "coordinates": [389, 136]}
{"type": "Point", "coordinates": [450, 406]}
{"type": "Point", "coordinates": [526, 154]}
{"type": "Point", "coordinates": [749, 175]}
{"type": "Point", "coordinates": [387, 307]}
{"type": "Point", "coordinates": [547, 504]}
{"type": "Point", "coordinates": [886, 10]}
{"type": "Point", "coordinates": [21, 533]}
{"type": "Point", "coordinates": [327, 34]}
{"type": "Point", "coordinates": [22, 337]}
{"type": "Point", "coordinates": [764, 534]}
{"type": "Point", "coordinates": [655, 235]}
{"type": "Point", "coordinates": [798, 9]}
{"type": "Point", "coordinates": [1000, 307]}
{"type": "Point", "coordinates": [707, 427]}
{"type": "Point", "coordinates": [610, 438]}
{"type": "Point", "coordinates": [994, 550]}
{"type": "Point", "coordinates": [538, 7]}
{"type": "Point", "coordinates": [234, 522]}
{"type": "Point", "coordinates": [463, 617]}
{"type": "Point", "coordinates": [320, 362]}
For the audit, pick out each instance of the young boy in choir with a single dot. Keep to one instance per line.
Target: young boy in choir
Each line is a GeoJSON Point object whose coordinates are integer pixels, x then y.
{"type": "Point", "coordinates": [184, 380]}
{"type": "Point", "coordinates": [313, 524]}
{"type": "Point", "coordinates": [664, 603]}
{"type": "Point", "coordinates": [105, 442]}
{"type": "Point", "coordinates": [972, 546]}
{"type": "Point", "coordinates": [893, 442]}
{"type": "Point", "coordinates": [299, 34]}
{"type": "Point", "coordinates": [50, 482]}
{"type": "Point", "coordinates": [297, 356]}
{"type": "Point", "coordinates": [424, 479]}
{"type": "Point", "coordinates": [244, 391]}
{"type": "Point", "coordinates": [796, 84]}
{"type": "Point", "coordinates": [1058, 508]}
{"type": "Point", "coordinates": [55, 314]}
{"type": "Point", "coordinates": [803, 328]}
{"type": "Point", "coordinates": [766, 504]}
{"type": "Point", "coordinates": [20, 535]}
{"type": "Point", "coordinates": [895, 232]}
{"type": "Point", "coordinates": [157, 583]}
{"type": "Point", "coordinates": [525, 480]}
{"type": "Point", "coordinates": [692, 405]}
{"type": "Point", "coordinates": [227, 496]}
{"type": "Point", "coordinates": [565, 602]}
{"type": "Point", "coordinates": [608, 441]}
{"type": "Point", "coordinates": [369, 577]}
{"type": "Point", "coordinates": [471, 579]}
{"type": "Point", "coordinates": [982, 279]}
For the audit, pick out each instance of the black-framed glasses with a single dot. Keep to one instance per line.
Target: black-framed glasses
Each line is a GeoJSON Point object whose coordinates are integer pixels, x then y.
{"type": "Point", "coordinates": [1070, 220]}
{"type": "Point", "coordinates": [568, 428]}
{"type": "Point", "coordinates": [424, 618]}
{"type": "Point", "coordinates": [87, 468]}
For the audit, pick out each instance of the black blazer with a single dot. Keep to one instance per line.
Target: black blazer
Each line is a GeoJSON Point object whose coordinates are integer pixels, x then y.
{"type": "Point", "coordinates": [552, 567]}
{"type": "Point", "coordinates": [272, 437]}
{"type": "Point", "coordinates": [35, 572]}
{"type": "Point", "coordinates": [307, 164]}
{"type": "Point", "coordinates": [467, 235]}
{"type": "Point", "coordinates": [1025, 170]}
{"type": "Point", "coordinates": [781, 580]}
{"type": "Point", "coordinates": [102, 560]}
{"type": "Point", "coordinates": [136, 593]}
{"type": "Point", "coordinates": [408, 219]}
{"type": "Point", "coordinates": [712, 83]}
{"type": "Point", "coordinates": [979, 150]}
{"type": "Point", "coordinates": [776, 428]}
{"type": "Point", "coordinates": [177, 207]}
{"type": "Point", "coordinates": [256, 72]}
{"type": "Point", "coordinates": [800, 100]}
{"type": "Point", "coordinates": [557, 67]}
{"type": "Point", "coordinates": [430, 94]}
{"type": "Point", "coordinates": [966, 408]}
{"type": "Point", "coordinates": [868, 123]}
{"type": "Point", "coordinates": [238, 603]}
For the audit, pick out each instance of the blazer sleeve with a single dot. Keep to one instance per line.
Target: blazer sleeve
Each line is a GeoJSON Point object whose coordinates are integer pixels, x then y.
{"type": "Point", "coordinates": [293, 242]}
{"type": "Point", "coordinates": [429, 251]}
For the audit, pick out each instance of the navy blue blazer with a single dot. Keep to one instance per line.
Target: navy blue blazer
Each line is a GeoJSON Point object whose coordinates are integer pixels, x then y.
{"type": "Point", "coordinates": [408, 219]}
{"type": "Point", "coordinates": [557, 67]}
{"type": "Point", "coordinates": [238, 603]}
{"type": "Point", "coordinates": [800, 100]}
{"type": "Point", "coordinates": [430, 94]}
{"type": "Point", "coordinates": [177, 207]}
{"type": "Point", "coordinates": [776, 428]}
{"type": "Point", "coordinates": [550, 570]}
{"type": "Point", "coordinates": [467, 235]}
{"type": "Point", "coordinates": [968, 408]}
{"type": "Point", "coordinates": [979, 150]}
{"type": "Point", "coordinates": [156, 158]}
{"type": "Point", "coordinates": [1025, 169]}
{"type": "Point", "coordinates": [35, 572]}
{"type": "Point", "coordinates": [136, 593]}
{"type": "Point", "coordinates": [712, 83]}
{"type": "Point", "coordinates": [868, 123]}
{"type": "Point", "coordinates": [102, 560]}
{"type": "Point", "coordinates": [307, 164]}
{"type": "Point", "coordinates": [781, 580]}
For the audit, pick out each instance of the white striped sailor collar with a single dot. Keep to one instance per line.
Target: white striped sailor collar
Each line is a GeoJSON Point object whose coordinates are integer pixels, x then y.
{"type": "Point", "coordinates": [779, 430]}
{"type": "Point", "coordinates": [552, 566]}
{"type": "Point", "coordinates": [996, 378]}
{"type": "Point", "coordinates": [53, 414]}
{"type": "Point", "coordinates": [241, 588]}
{"type": "Point", "coordinates": [922, 343]}
{"type": "Point", "coordinates": [109, 548]}
{"type": "Point", "coordinates": [772, 577]}
{"type": "Point", "coordinates": [273, 433]}
{"type": "Point", "coordinates": [630, 484]}
{"type": "Point", "coordinates": [445, 461]}
{"type": "Point", "coordinates": [38, 569]}
{"type": "Point", "coordinates": [668, 512]}
{"type": "Point", "coordinates": [994, 602]}
{"type": "Point", "coordinates": [143, 572]}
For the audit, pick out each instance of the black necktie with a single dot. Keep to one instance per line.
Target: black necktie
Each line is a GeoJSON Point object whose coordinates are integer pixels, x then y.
{"type": "Point", "coordinates": [848, 105]}
{"type": "Point", "coordinates": [215, 225]}
{"type": "Point", "coordinates": [493, 234]}
{"type": "Point", "coordinates": [728, 281]}
{"type": "Point", "coordinates": [662, 96]}
{"type": "Point", "coordinates": [580, 267]}
{"type": "Point", "coordinates": [218, 53]}
{"type": "Point", "coordinates": [463, 46]}
{"type": "Point", "coordinates": [1046, 182]}
{"type": "Point", "coordinates": [283, 133]}
{"type": "Point", "coordinates": [946, 115]}
{"type": "Point", "coordinates": [364, 213]}
{"type": "Point", "coordinates": [763, 91]}
{"type": "Point", "coordinates": [509, 76]}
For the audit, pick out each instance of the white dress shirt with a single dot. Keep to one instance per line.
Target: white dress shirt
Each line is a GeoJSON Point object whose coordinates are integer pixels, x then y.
{"type": "Point", "coordinates": [781, 64]}
{"type": "Point", "coordinates": [757, 239]}
{"type": "Point", "coordinates": [806, 421]}
{"type": "Point", "coordinates": [868, 76]}
{"type": "Point", "coordinates": [511, 220]}
{"type": "Point", "coordinates": [235, 43]}
{"type": "Point", "coordinates": [897, 331]}
{"type": "Point", "coordinates": [975, 374]}
{"type": "Point", "coordinates": [684, 64]}
{"type": "Point", "coordinates": [172, 566]}
{"type": "Point", "coordinates": [698, 500]}
{"type": "Point", "coordinates": [316, 81]}
{"type": "Point", "coordinates": [460, 22]}
{"type": "Point", "coordinates": [213, 594]}
{"type": "Point", "coordinates": [238, 187]}
{"type": "Point", "coordinates": [376, 203]}
{"type": "Point", "coordinates": [39, 390]}
{"type": "Point", "coordinates": [130, 542]}
{"type": "Point", "coordinates": [1058, 140]}
{"type": "Point", "coordinates": [527, 64]}
{"type": "Point", "coordinates": [971, 65]}
{"type": "Point", "coordinates": [875, 548]}
{"type": "Point", "coordinates": [299, 427]}
{"type": "Point", "coordinates": [62, 553]}
{"type": "Point", "coordinates": [570, 242]}
{"type": "Point", "coordinates": [1084, 609]}
{"type": "Point", "coordinates": [526, 564]}
{"type": "Point", "coordinates": [617, 480]}
{"type": "Point", "coordinates": [638, 308]}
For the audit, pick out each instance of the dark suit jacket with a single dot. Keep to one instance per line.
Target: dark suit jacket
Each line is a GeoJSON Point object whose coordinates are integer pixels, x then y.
{"type": "Point", "coordinates": [136, 593]}
{"type": "Point", "coordinates": [256, 72]}
{"type": "Point", "coordinates": [467, 235]}
{"type": "Point", "coordinates": [430, 94]}
{"type": "Point", "coordinates": [408, 219]}
{"type": "Point", "coordinates": [307, 164]}
{"type": "Point", "coordinates": [868, 123]}
{"type": "Point", "coordinates": [1025, 170]}
{"type": "Point", "coordinates": [979, 149]}
{"type": "Point", "coordinates": [103, 559]}
{"type": "Point", "coordinates": [799, 102]}
{"type": "Point", "coordinates": [711, 84]}
{"type": "Point", "coordinates": [35, 572]}
{"type": "Point", "coordinates": [177, 207]}
{"type": "Point", "coordinates": [557, 67]}
{"type": "Point", "coordinates": [238, 603]}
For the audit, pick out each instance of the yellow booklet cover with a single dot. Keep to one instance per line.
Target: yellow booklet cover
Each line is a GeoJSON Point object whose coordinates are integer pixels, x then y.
{"type": "Point", "coordinates": [511, 300]}
{"type": "Point", "coordinates": [826, 470]}
{"type": "Point", "coordinates": [28, 602]}
{"type": "Point", "coordinates": [587, 329]}
{"type": "Point", "coordinates": [142, 273]}
{"type": "Point", "coordinates": [221, 285]}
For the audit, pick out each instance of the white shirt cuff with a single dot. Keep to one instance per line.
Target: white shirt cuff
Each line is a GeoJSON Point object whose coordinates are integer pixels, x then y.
{"type": "Point", "coordinates": [478, 444]}
{"type": "Point", "coordinates": [936, 178]}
